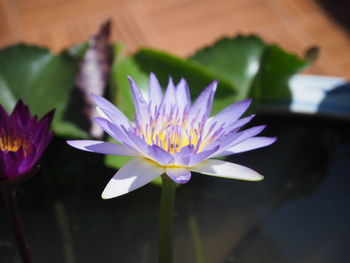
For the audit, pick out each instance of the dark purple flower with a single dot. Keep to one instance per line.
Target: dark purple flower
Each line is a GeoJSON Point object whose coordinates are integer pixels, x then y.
{"type": "Point", "coordinates": [22, 141]}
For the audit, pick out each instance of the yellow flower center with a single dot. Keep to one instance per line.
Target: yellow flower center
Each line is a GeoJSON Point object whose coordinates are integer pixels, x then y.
{"type": "Point", "coordinates": [13, 143]}
{"type": "Point", "coordinates": [172, 135]}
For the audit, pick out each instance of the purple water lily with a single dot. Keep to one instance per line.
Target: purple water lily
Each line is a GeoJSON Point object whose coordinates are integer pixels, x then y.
{"type": "Point", "coordinates": [22, 141]}
{"type": "Point", "coordinates": [169, 135]}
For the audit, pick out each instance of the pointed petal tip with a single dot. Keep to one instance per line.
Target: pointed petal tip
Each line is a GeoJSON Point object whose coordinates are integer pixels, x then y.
{"type": "Point", "coordinates": [171, 81]}
{"type": "Point", "coordinates": [214, 85]}
{"type": "Point", "coordinates": [108, 195]}
{"type": "Point", "coordinates": [130, 79]}
{"type": "Point", "coordinates": [72, 143]}
{"type": "Point", "coordinates": [260, 178]}
{"type": "Point", "coordinates": [49, 116]}
{"type": "Point", "coordinates": [273, 139]}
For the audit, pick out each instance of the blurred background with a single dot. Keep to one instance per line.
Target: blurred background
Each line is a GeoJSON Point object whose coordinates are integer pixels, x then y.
{"type": "Point", "coordinates": [183, 26]}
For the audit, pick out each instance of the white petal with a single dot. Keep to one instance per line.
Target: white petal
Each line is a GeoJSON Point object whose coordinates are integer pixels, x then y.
{"type": "Point", "coordinates": [227, 170]}
{"type": "Point", "coordinates": [133, 175]}
{"type": "Point", "coordinates": [102, 147]}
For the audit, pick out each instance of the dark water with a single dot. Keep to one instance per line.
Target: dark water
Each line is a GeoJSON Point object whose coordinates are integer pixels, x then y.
{"type": "Point", "coordinates": [299, 213]}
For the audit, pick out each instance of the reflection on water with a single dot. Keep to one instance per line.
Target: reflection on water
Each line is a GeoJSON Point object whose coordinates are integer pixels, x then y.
{"type": "Point", "coordinates": [298, 214]}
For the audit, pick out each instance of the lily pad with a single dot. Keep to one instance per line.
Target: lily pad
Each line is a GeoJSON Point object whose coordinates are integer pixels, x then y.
{"type": "Point", "coordinates": [42, 80]}
{"type": "Point", "coordinates": [259, 70]}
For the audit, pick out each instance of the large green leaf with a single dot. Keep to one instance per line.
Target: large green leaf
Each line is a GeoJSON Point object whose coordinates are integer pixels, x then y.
{"type": "Point", "coordinates": [271, 81]}
{"type": "Point", "coordinates": [259, 70]}
{"type": "Point", "coordinates": [43, 81]}
{"type": "Point", "coordinates": [235, 59]}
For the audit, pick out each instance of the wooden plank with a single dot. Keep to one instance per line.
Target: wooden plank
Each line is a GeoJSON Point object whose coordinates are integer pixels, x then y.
{"type": "Point", "coordinates": [179, 26]}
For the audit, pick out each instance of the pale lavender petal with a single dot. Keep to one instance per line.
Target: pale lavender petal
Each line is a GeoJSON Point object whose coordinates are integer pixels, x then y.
{"type": "Point", "coordinates": [232, 112]}
{"type": "Point", "coordinates": [201, 108]}
{"type": "Point", "coordinates": [199, 157]}
{"type": "Point", "coordinates": [159, 155]}
{"type": "Point", "coordinates": [239, 123]}
{"type": "Point", "coordinates": [155, 93]}
{"type": "Point", "coordinates": [139, 102]}
{"type": "Point", "coordinates": [226, 170]}
{"type": "Point", "coordinates": [112, 112]}
{"type": "Point", "coordinates": [137, 142]}
{"type": "Point", "coordinates": [169, 98]}
{"type": "Point", "coordinates": [135, 174]}
{"type": "Point", "coordinates": [248, 133]}
{"type": "Point", "coordinates": [183, 96]}
{"type": "Point", "coordinates": [107, 126]}
{"type": "Point", "coordinates": [224, 140]}
{"type": "Point", "coordinates": [249, 144]}
{"type": "Point", "coordinates": [102, 147]}
{"type": "Point", "coordinates": [178, 174]}
{"type": "Point", "coordinates": [183, 154]}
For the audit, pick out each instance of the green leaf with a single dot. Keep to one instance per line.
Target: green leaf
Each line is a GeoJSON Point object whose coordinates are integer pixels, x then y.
{"type": "Point", "coordinates": [235, 59]}
{"type": "Point", "coordinates": [261, 71]}
{"type": "Point", "coordinates": [42, 80]}
{"type": "Point", "coordinates": [271, 82]}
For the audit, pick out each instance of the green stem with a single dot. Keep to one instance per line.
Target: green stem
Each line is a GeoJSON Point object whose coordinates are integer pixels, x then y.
{"type": "Point", "coordinates": [166, 220]}
{"type": "Point", "coordinates": [9, 195]}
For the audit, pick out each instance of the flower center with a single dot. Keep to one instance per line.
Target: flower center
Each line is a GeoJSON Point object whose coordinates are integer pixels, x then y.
{"type": "Point", "coordinates": [14, 143]}
{"type": "Point", "coordinates": [171, 132]}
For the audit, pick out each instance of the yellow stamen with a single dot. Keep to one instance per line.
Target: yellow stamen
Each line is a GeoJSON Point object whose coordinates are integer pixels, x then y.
{"type": "Point", "coordinates": [13, 143]}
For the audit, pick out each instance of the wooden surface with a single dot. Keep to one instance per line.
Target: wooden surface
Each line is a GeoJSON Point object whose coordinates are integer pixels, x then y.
{"type": "Point", "coordinates": [180, 26]}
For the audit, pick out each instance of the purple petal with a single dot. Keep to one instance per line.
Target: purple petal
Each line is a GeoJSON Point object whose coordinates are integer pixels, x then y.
{"type": "Point", "coordinates": [136, 173]}
{"type": "Point", "coordinates": [199, 157]}
{"type": "Point", "coordinates": [20, 114]}
{"type": "Point", "coordinates": [3, 115]}
{"type": "Point", "coordinates": [136, 142]}
{"type": "Point", "coordinates": [183, 96]}
{"type": "Point", "coordinates": [178, 174]}
{"type": "Point", "coordinates": [121, 135]}
{"type": "Point", "coordinates": [111, 111]}
{"type": "Point", "coordinates": [41, 147]}
{"type": "Point", "coordinates": [169, 98]}
{"type": "Point", "coordinates": [105, 125]}
{"type": "Point", "coordinates": [244, 135]}
{"type": "Point", "coordinates": [155, 93]}
{"type": "Point", "coordinates": [183, 154]}
{"type": "Point", "coordinates": [159, 155]}
{"type": "Point", "coordinates": [239, 123]}
{"type": "Point", "coordinates": [114, 131]}
{"type": "Point", "coordinates": [249, 144]}
{"type": "Point", "coordinates": [201, 108]}
{"type": "Point", "coordinates": [233, 112]}
{"type": "Point", "coordinates": [139, 102]}
{"type": "Point", "coordinates": [12, 162]}
{"type": "Point", "coordinates": [102, 147]}
{"type": "Point", "coordinates": [42, 126]}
